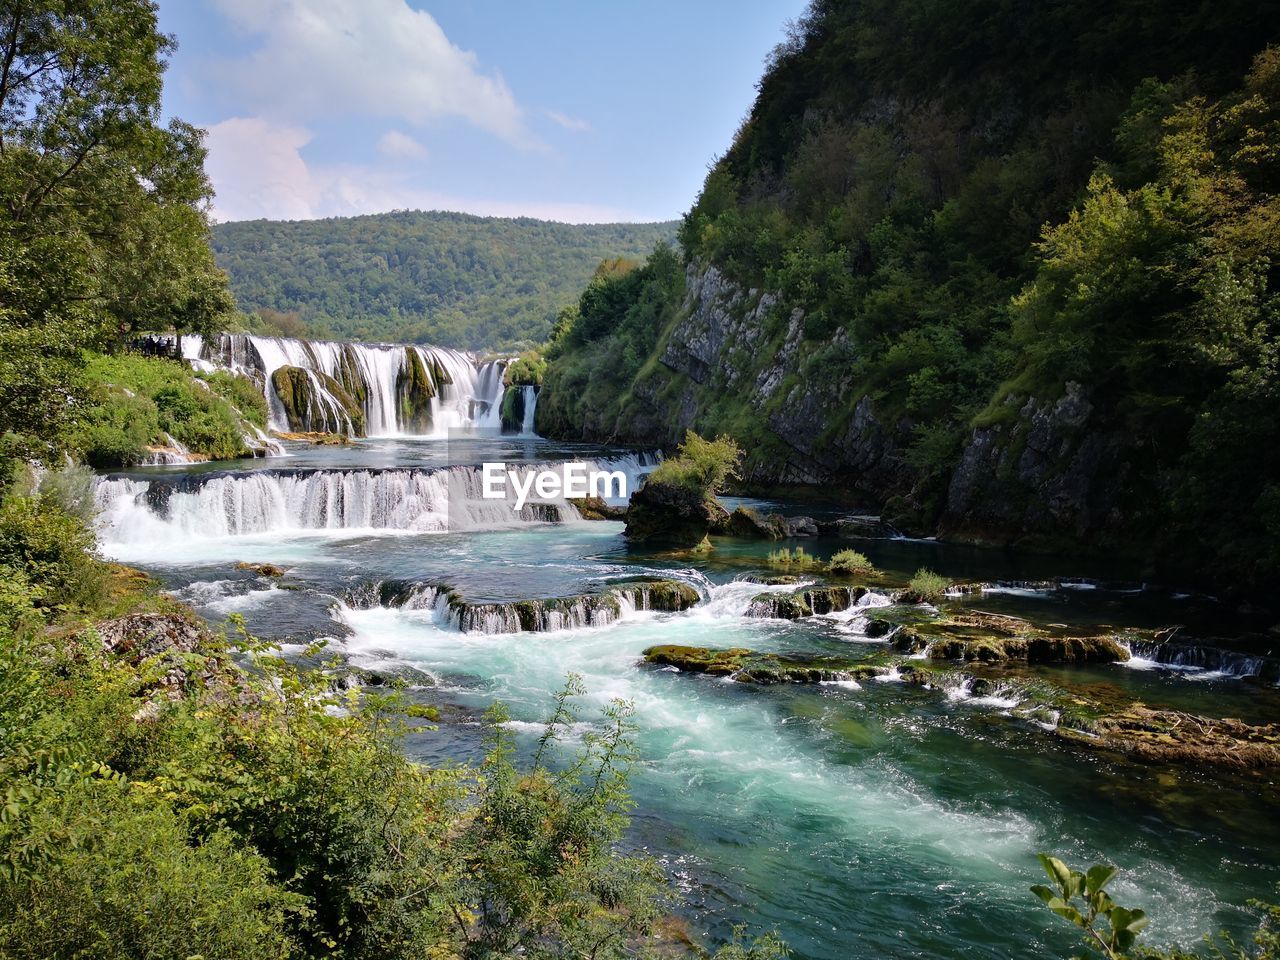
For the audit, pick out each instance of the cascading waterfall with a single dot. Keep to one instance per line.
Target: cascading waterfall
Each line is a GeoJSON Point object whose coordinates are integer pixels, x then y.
{"type": "Point", "coordinates": [375, 390]}
{"type": "Point", "coordinates": [608, 606]}
{"type": "Point", "coordinates": [268, 501]}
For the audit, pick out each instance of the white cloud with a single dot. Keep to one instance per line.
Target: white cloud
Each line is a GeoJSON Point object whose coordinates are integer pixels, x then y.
{"type": "Point", "coordinates": [569, 123]}
{"type": "Point", "coordinates": [258, 171]}
{"type": "Point", "coordinates": [372, 57]}
{"type": "Point", "coordinates": [400, 146]}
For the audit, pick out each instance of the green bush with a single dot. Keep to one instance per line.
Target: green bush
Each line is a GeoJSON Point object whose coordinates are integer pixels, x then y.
{"type": "Point", "coordinates": [54, 551]}
{"type": "Point", "coordinates": [525, 370]}
{"type": "Point", "coordinates": [851, 563]}
{"type": "Point", "coordinates": [927, 586]}
{"type": "Point", "coordinates": [130, 879]}
{"type": "Point", "coordinates": [138, 400]}
{"type": "Point", "coordinates": [700, 465]}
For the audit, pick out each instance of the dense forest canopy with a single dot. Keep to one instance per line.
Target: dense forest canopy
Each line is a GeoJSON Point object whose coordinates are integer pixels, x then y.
{"type": "Point", "coordinates": [445, 278]}
{"type": "Point", "coordinates": [970, 206]}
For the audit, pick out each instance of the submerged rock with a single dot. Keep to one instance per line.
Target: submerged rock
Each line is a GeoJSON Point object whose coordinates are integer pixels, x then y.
{"type": "Point", "coordinates": [262, 569]}
{"type": "Point", "coordinates": [748, 666]}
{"type": "Point", "coordinates": [1171, 736]}
{"type": "Point", "coordinates": [669, 514]}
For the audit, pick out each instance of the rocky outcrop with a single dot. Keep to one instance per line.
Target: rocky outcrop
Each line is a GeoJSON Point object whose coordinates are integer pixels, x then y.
{"type": "Point", "coordinates": [311, 410]}
{"type": "Point", "coordinates": [804, 603]}
{"type": "Point", "coordinates": [1048, 472]}
{"type": "Point", "coordinates": [974, 636]}
{"type": "Point", "coordinates": [417, 384]}
{"type": "Point", "coordinates": [748, 666]}
{"type": "Point", "coordinates": [672, 515]}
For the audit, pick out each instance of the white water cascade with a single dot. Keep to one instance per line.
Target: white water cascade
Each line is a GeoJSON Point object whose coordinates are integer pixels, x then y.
{"type": "Point", "coordinates": [205, 506]}
{"type": "Point", "coordinates": [465, 394]}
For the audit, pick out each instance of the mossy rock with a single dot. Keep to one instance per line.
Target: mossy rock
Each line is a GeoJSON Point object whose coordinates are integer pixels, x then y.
{"type": "Point", "coordinates": [748, 666]}
{"type": "Point", "coordinates": [748, 523]}
{"type": "Point", "coordinates": [306, 410]}
{"type": "Point", "coordinates": [804, 603]}
{"type": "Point", "coordinates": [595, 508]}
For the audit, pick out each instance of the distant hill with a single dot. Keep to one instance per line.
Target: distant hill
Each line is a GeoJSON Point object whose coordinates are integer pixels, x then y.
{"type": "Point", "coordinates": [445, 278]}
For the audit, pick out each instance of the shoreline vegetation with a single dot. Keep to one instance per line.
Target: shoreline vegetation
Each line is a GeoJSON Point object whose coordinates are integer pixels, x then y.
{"type": "Point", "coordinates": [172, 790]}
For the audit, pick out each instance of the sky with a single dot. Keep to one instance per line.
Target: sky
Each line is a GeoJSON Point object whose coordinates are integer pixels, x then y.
{"type": "Point", "coordinates": [585, 111]}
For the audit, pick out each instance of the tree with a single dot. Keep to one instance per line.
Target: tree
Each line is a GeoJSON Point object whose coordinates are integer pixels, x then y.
{"type": "Point", "coordinates": [103, 211]}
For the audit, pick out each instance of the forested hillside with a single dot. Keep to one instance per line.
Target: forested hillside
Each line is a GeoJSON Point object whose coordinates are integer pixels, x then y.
{"type": "Point", "coordinates": [445, 278]}
{"type": "Point", "coordinates": [1005, 270]}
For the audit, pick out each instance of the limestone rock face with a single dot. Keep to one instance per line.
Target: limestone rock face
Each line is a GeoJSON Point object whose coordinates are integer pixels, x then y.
{"type": "Point", "coordinates": [1048, 472]}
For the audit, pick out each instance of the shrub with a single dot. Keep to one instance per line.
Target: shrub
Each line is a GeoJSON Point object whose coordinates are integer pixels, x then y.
{"type": "Point", "coordinates": [795, 559]}
{"type": "Point", "coordinates": [927, 586]}
{"type": "Point", "coordinates": [701, 465]}
{"type": "Point", "coordinates": [53, 550]}
{"type": "Point", "coordinates": [140, 400]}
{"type": "Point", "coordinates": [851, 563]}
{"type": "Point", "coordinates": [129, 880]}
{"type": "Point", "coordinates": [526, 370]}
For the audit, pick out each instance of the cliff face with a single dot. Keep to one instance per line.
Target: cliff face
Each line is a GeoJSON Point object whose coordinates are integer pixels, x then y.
{"type": "Point", "coordinates": [1005, 273]}
{"type": "Point", "coordinates": [1048, 473]}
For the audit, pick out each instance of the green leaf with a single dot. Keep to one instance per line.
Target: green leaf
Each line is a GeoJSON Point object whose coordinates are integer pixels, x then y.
{"type": "Point", "coordinates": [1099, 875]}
{"type": "Point", "coordinates": [1043, 892]}
{"type": "Point", "coordinates": [1058, 872]}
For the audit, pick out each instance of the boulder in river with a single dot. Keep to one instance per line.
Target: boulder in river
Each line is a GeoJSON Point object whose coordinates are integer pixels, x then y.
{"type": "Point", "coordinates": [748, 666]}
{"type": "Point", "coordinates": [671, 515]}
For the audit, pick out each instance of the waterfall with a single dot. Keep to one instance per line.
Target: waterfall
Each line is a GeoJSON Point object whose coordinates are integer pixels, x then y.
{"type": "Point", "coordinates": [530, 405]}
{"type": "Point", "coordinates": [207, 505]}
{"type": "Point", "coordinates": [375, 390]}
{"type": "Point", "coordinates": [601, 609]}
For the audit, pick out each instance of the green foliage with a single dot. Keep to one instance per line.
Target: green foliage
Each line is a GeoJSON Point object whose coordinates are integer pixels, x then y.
{"type": "Point", "coordinates": [141, 399]}
{"type": "Point", "coordinates": [600, 347]}
{"type": "Point", "coordinates": [850, 563]}
{"type": "Point", "coordinates": [103, 230]}
{"type": "Point", "coordinates": [1082, 899]}
{"type": "Point", "coordinates": [52, 553]}
{"type": "Point", "coordinates": [893, 182]}
{"type": "Point", "coordinates": [446, 278]}
{"type": "Point", "coordinates": [927, 586]}
{"type": "Point", "coordinates": [700, 465]}
{"type": "Point", "coordinates": [527, 369]}
{"type": "Point", "coordinates": [796, 559]}
{"type": "Point", "coordinates": [1095, 904]}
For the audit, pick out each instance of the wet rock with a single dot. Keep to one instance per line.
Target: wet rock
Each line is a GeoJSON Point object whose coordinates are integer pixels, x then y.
{"type": "Point", "coordinates": [1035, 649]}
{"type": "Point", "coordinates": [751, 524]}
{"type": "Point", "coordinates": [669, 514]}
{"type": "Point", "coordinates": [747, 666]}
{"type": "Point", "coordinates": [1171, 736]}
{"type": "Point", "coordinates": [879, 627]}
{"type": "Point", "coordinates": [262, 569]}
{"type": "Point", "coordinates": [801, 527]}
{"type": "Point", "coordinates": [319, 438]}
{"type": "Point", "coordinates": [804, 603]}
{"type": "Point", "coordinates": [595, 508]}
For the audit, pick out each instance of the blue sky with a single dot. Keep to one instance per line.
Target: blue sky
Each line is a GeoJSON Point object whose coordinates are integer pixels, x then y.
{"type": "Point", "coordinates": [583, 111]}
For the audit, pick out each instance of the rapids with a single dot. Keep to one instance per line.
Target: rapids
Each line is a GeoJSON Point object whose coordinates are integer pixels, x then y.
{"type": "Point", "coordinates": [871, 819]}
